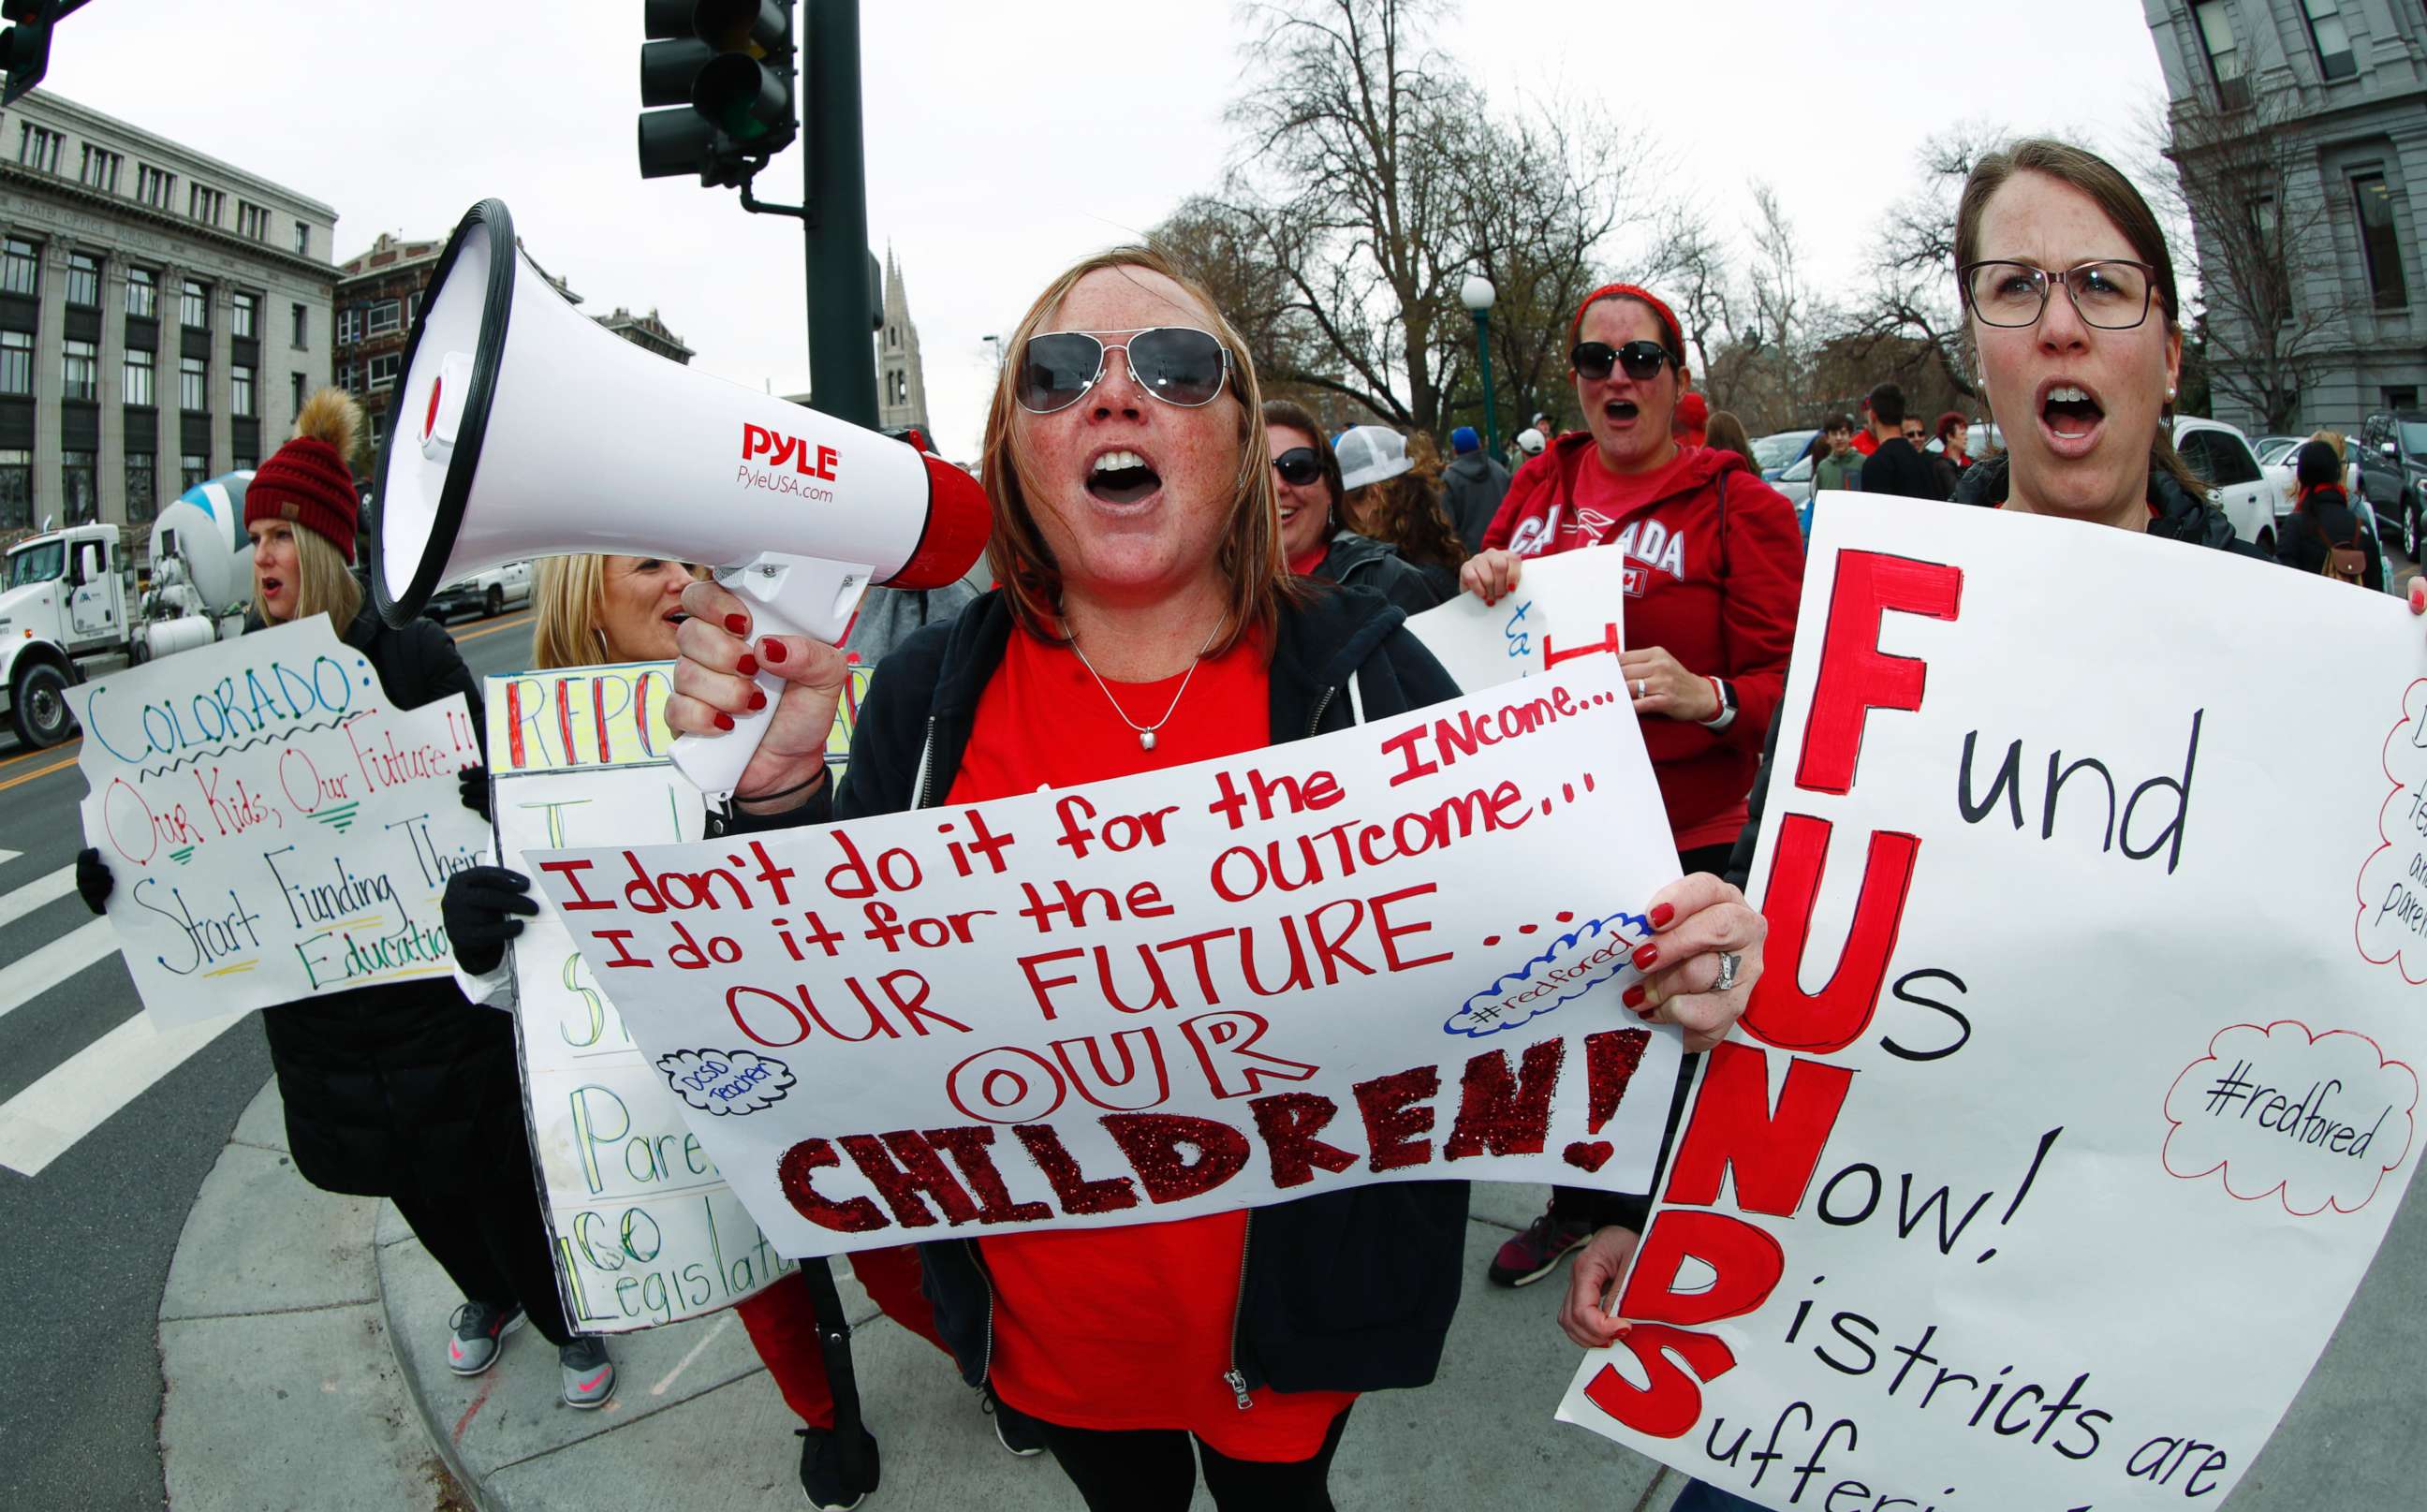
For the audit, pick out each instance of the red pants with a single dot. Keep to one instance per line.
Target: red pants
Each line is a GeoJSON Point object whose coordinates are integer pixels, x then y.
{"type": "Point", "coordinates": [784, 1327]}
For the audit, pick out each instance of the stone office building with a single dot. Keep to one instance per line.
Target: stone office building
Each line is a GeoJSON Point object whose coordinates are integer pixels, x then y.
{"type": "Point", "coordinates": [2329, 99]}
{"type": "Point", "coordinates": [162, 316]}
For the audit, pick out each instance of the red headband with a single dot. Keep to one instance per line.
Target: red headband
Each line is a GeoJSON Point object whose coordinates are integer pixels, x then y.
{"type": "Point", "coordinates": [1667, 317]}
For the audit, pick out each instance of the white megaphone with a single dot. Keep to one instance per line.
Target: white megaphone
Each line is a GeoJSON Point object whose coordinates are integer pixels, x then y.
{"type": "Point", "coordinates": [523, 428]}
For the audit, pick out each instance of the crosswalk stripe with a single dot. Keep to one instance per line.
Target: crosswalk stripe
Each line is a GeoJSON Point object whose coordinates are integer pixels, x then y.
{"type": "Point", "coordinates": [44, 1121]}
{"type": "Point", "coordinates": [17, 903]}
{"type": "Point", "coordinates": [62, 958]}
{"type": "Point", "coordinates": [7, 856]}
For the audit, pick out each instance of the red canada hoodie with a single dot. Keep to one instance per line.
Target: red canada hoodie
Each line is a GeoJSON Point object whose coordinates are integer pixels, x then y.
{"type": "Point", "coordinates": [1721, 597]}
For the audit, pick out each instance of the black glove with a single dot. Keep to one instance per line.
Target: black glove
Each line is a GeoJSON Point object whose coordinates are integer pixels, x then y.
{"type": "Point", "coordinates": [479, 908]}
{"type": "Point", "coordinates": [93, 879]}
{"type": "Point", "coordinates": [474, 781]}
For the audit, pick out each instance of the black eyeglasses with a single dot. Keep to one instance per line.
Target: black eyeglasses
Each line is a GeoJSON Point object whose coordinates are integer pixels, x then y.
{"type": "Point", "coordinates": [1641, 359]}
{"type": "Point", "coordinates": [2112, 294]}
{"type": "Point", "coordinates": [1298, 466]}
{"type": "Point", "coordinates": [1178, 364]}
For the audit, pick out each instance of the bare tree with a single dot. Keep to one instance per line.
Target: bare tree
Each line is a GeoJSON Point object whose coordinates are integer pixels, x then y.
{"type": "Point", "coordinates": [1913, 295]}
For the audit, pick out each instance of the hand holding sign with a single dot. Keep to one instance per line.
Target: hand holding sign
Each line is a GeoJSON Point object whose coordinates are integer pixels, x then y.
{"type": "Point", "coordinates": [714, 682]}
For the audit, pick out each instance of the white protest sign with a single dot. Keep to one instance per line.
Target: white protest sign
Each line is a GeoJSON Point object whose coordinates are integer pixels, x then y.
{"type": "Point", "coordinates": [2079, 1089]}
{"type": "Point", "coordinates": [1569, 605]}
{"type": "Point", "coordinates": [643, 1229]}
{"type": "Point", "coordinates": [275, 829]}
{"type": "Point", "coordinates": [1392, 952]}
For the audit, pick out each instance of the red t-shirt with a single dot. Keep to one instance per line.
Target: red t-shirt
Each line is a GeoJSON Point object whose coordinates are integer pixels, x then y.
{"type": "Point", "coordinates": [1129, 1326]}
{"type": "Point", "coordinates": [1302, 565]}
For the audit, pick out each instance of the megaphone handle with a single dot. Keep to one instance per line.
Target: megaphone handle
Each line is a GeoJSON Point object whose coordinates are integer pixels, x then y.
{"type": "Point", "coordinates": [787, 595]}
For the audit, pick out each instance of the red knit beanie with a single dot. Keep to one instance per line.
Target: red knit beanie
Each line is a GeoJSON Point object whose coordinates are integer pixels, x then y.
{"type": "Point", "coordinates": [1667, 317]}
{"type": "Point", "coordinates": [307, 483]}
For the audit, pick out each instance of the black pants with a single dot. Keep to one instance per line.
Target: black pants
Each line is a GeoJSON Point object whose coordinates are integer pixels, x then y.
{"type": "Point", "coordinates": [1154, 1470]}
{"type": "Point", "coordinates": [489, 1236]}
{"type": "Point", "coordinates": [1575, 1204]}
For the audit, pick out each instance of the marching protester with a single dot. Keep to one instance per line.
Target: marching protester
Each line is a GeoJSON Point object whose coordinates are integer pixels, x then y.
{"type": "Point", "coordinates": [1837, 465]}
{"type": "Point", "coordinates": [600, 609]}
{"type": "Point", "coordinates": [1948, 463]}
{"type": "Point", "coordinates": [1394, 496]}
{"type": "Point", "coordinates": [1727, 432]}
{"type": "Point", "coordinates": [1473, 485]}
{"type": "Point", "coordinates": [2325, 534]}
{"type": "Point", "coordinates": [1147, 618]}
{"type": "Point", "coordinates": [1689, 419]}
{"type": "Point", "coordinates": [1896, 465]}
{"type": "Point", "coordinates": [1306, 484]}
{"type": "Point", "coordinates": [2068, 288]}
{"type": "Point", "coordinates": [1720, 564]}
{"type": "Point", "coordinates": [402, 1090]}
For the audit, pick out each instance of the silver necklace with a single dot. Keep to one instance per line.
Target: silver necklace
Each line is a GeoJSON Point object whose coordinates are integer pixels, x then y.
{"type": "Point", "coordinates": [1145, 732]}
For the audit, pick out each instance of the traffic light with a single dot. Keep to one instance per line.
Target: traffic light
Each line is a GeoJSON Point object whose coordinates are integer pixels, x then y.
{"type": "Point", "coordinates": [26, 46]}
{"type": "Point", "coordinates": [728, 66]}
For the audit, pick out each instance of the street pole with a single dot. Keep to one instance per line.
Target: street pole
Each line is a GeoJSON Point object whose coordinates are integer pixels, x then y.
{"type": "Point", "coordinates": [843, 358]}
{"type": "Point", "coordinates": [1490, 415]}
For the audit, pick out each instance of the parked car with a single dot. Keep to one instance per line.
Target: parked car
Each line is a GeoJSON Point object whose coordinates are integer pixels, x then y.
{"type": "Point", "coordinates": [2221, 453]}
{"type": "Point", "coordinates": [2393, 474]}
{"type": "Point", "coordinates": [1777, 454]}
{"type": "Point", "coordinates": [491, 592]}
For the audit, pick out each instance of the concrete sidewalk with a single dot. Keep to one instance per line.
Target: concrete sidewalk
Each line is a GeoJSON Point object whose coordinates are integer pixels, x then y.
{"type": "Point", "coordinates": [303, 1338]}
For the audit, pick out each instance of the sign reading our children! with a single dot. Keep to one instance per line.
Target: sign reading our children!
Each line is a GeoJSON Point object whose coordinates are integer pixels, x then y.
{"type": "Point", "coordinates": [2081, 1084]}
{"type": "Point", "coordinates": [1380, 954]}
{"type": "Point", "coordinates": [276, 830]}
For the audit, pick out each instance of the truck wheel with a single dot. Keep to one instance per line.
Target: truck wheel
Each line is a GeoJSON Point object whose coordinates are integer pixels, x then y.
{"type": "Point", "coordinates": [42, 711]}
{"type": "Point", "coordinates": [495, 601]}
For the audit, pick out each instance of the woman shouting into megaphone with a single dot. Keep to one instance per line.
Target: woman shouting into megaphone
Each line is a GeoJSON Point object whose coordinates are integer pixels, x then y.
{"type": "Point", "coordinates": [1147, 618]}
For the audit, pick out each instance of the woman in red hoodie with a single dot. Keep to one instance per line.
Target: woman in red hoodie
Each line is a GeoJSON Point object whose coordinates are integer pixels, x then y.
{"type": "Point", "coordinates": [1715, 567]}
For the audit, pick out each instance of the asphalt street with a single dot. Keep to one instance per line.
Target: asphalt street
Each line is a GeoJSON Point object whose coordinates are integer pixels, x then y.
{"type": "Point", "coordinates": [91, 1226]}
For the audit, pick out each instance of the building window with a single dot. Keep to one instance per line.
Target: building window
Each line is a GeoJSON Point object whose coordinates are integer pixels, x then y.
{"type": "Point", "coordinates": [247, 464]}
{"type": "Point", "coordinates": [244, 312]}
{"type": "Point", "coordinates": [139, 369]}
{"type": "Point", "coordinates": [16, 490]}
{"type": "Point", "coordinates": [239, 389]}
{"type": "Point", "coordinates": [412, 306]}
{"type": "Point", "coordinates": [379, 428]}
{"type": "Point", "coordinates": [349, 326]}
{"type": "Point", "coordinates": [78, 486]}
{"type": "Point", "coordinates": [153, 186]}
{"type": "Point", "coordinates": [192, 468]}
{"type": "Point", "coordinates": [2403, 396]}
{"type": "Point", "coordinates": [300, 318]}
{"type": "Point", "coordinates": [302, 238]}
{"type": "Point", "coordinates": [141, 504]}
{"type": "Point", "coordinates": [194, 305]}
{"type": "Point", "coordinates": [16, 362]}
{"type": "Point", "coordinates": [205, 204]}
{"type": "Point", "coordinates": [79, 370]}
{"type": "Point", "coordinates": [295, 384]}
{"type": "Point", "coordinates": [143, 292]}
{"type": "Point", "coordinates": [193, 384]}
{"type": "Point", "coordinates": [19, 263]}
{"type": "Point", "coordinates": [2380, 242]}
{"type": "Point", "coordinates": [251, 221]}
{"type": "Point", "coordinates": [386, 315]}
{"type": "Point", "coordinates": [383, 371]}
{"type": "Point", "coordinates": [2332, 40]}
{"type": "Point", "coordinates": [83, 279]}
{"type": "Point", "coordinates": [2224, 55]}
{"type": "Point", "coordinates": [39, 147]}
{"type": "Point", "coordinates": [100, 169]}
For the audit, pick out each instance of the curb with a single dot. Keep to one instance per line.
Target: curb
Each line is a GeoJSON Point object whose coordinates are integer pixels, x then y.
{"type": "Point", "coordinates": [469, 1489]}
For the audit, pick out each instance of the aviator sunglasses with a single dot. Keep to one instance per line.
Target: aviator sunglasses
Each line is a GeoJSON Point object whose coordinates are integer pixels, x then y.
{"type": "Point", "coordinates": [1298, 466]}
{"type": "Point", "coordinates": [1178, 364]}
{"type": "Point", "coordinates": [1641, 359]}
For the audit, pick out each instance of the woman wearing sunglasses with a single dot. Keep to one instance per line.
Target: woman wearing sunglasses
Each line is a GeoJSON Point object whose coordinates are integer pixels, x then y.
{"type": "Point", "coordinates": [1714, 566]}
{"type": "Point", "coordinates": [1147, 618]}
{"type": "Point", "coordinates": [1306, 484]}
{"type": "Point", "coordinates": [2069, 295]}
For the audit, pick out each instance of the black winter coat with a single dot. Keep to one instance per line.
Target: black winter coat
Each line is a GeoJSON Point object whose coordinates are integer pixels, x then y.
{"type": "Point", "coordinates": [1472, 489]}
{"type": "Point", "coordinates": [1350, 1291]}
{"type": "Point", "coordinates": [2325, 517]}
{"type": "Point", "coordinates": [1360, 562]}
{"type": "Point", "coordinates": [403, 1084]}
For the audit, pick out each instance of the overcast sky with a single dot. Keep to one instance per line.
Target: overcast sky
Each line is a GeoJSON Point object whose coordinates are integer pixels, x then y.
{"type": "Point", "coordinates": [1005, 138]}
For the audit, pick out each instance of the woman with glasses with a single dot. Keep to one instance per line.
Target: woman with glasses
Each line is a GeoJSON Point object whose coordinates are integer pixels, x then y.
{"type": "Point", "coordinates": [1714, 566]}
{"type": "Point", "coordinates": [1306, 484]}
{"type": "Point", "coordinates": [2069, 293]}
{"type": "Point", "coordinates": [1147, 618]}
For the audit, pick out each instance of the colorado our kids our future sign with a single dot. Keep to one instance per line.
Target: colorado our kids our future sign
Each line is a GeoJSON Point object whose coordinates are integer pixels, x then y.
{"type": "Point", "coordinates": [2081, 1084]}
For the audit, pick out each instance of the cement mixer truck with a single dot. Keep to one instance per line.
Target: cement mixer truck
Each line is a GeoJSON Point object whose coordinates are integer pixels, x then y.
{"type": "Point", "coordinates": [71, 608]}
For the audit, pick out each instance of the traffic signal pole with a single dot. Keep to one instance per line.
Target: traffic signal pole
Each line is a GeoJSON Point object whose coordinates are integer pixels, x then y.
{"type": "Point", "coordinates": [842, 360]}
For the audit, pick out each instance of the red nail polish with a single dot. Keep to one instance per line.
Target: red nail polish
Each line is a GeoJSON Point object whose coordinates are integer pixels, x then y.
{"type": "Point", "coordinates": [771, 650]}
{"type": "Point", "coordinates": [757, 700]}
{"type": "Point", "coordinates": [737, 623]}
{"type": "Point", "coordinates": [1661, 913]}
{"type": "Point", "coordinates": [1633, 997]}
{"type": "Point", "coordinates": [1645, 955]}
{"type": "Point", "coordinates": [747, 666]}
{"type": "Point", "coordinates": [724, 721]}
{"type": "Point", "coordinates": [1646, 1014]}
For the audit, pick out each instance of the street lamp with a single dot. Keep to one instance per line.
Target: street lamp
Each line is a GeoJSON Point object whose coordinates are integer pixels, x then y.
{"type": "Point", "coordinates": [996, 342]}
{"type": "Point", "coordinates": [1476, 294]}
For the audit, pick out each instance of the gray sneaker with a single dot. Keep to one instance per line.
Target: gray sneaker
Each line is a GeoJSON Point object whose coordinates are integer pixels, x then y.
{"type": "Point", "coordinates": [589, 1374]}
{"type": "Point", "coordinates": [479, 1333]}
